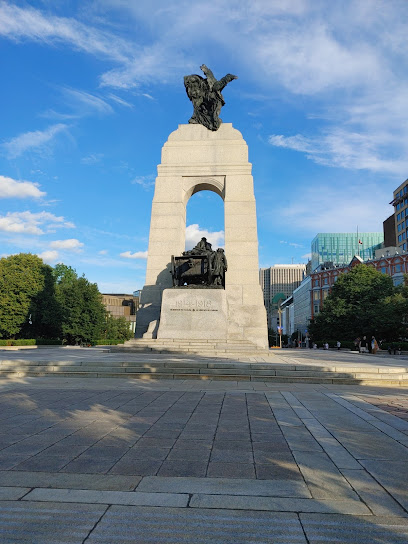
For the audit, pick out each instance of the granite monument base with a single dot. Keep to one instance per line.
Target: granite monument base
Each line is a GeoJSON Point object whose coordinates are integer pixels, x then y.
{"type": "Point", "coordinates": [193, 314]}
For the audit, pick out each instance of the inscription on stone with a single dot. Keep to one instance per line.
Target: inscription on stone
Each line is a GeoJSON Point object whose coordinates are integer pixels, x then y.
{"type": "Point", "coordinates": [194, 305]}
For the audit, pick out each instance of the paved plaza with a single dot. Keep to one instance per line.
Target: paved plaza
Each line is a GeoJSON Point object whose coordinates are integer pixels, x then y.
{"type": "Point", "coordinates": [204, 461]}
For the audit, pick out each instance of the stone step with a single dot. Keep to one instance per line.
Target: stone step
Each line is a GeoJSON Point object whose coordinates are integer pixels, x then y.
{"type": "Point", "coordinates": [97, 373]}
{"type": "Point", "coordinates": [215, 371]}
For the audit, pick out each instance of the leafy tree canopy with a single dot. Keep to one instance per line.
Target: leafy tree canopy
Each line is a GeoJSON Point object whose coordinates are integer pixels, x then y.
{"type": "Point", "coordinates": [27, 301]}
{"type": "Point", "coordinates": [362, 301]}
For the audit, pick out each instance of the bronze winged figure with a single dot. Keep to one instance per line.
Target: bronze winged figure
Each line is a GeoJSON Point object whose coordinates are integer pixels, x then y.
{"type": "Point", "coordinates": [205, 94]}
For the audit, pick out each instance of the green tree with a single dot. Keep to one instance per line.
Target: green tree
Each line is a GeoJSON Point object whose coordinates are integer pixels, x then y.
{"type": "Point", "coordinates": [83, 316]}
{"type": "Point", "coordinates": [363, 301]}
{"type": "Point", "coordinates": [116, 328]}
{"type": "Point", "coordinates": [28, 307]}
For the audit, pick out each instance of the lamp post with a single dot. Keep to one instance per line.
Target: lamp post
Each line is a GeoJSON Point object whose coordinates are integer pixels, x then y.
{"type": "Point", "coordinates": [280, 326]}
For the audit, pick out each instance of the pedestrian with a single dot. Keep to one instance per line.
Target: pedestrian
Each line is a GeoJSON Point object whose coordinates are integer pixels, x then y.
{"type": "Point", "coordinates": [326, 345]}
{"type": "Point", "coordinates": [363, 345]}
{"type": "Point", "coordinates": [357, 344]}
{"type": "Point", "coordinates": [338, 344]}
{"type": "Point", "coordinates": [314, 346]}
{"type": "Point", "coordinates": [374, 345]}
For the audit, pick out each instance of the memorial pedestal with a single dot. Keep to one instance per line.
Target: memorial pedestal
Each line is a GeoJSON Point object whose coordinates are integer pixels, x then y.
{"type": "Point", "coordinates": [193, 314]}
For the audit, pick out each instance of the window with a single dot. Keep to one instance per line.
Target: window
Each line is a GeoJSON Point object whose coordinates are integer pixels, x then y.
{"type": "Point", "coordinates": [398, 206]}
{"type": "Point", "coordinates": [399, 227]}
{"type": "Point", "coordinates": [316, 283]}
{"type": "Point", "coordinates": [403, 235]}
{"type": "Point", "coordinates": [316, 309]}
{"type": "Point", "coordinates": [398, 215]}
{"type": "Point", "coordinates": [403, 247]}
{"type": "Point", "coordinates": [400, 238]}
{"type": "Point", "coordinates": [405, 189]}
{"type": "Point", "coordinates": [383, 270]}
{"type": "Point", "coordinates": [326, 281]}
{"type": "Point", "coordinates": [397, 268]}
{"type": "Point", "coordinates": [316, 295]}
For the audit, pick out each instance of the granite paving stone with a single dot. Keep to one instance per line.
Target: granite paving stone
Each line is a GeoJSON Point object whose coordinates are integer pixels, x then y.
{"type": "Point", "coordinates": [183, 468]}
{"type": "Point", "coordinates": [354, 529]}
{"type": "Point", "coordinates": [230, 470]}
{"type": "Point", "coordinates": [147, 453]}
{"type": "Point", "coordinates": [322, 476]}
{"type": "Point", "coordinates": [105, 482]}
{"type": "Point", "coordinates": [279, 504]}
{"type": "Point", "coordinates": [136, 467]}
{"type": "Point", "coordinates": [142, 525]}
{"type": "Point", "coordinates": [179, 454]}
{"type": "Point", "coordinates": [35, 522]}
{"type": "Point", "coordinates": [87, 464]}
{"type": "Point", "coordinates": [373, 494]}
{"type": "Point", "coordinates": [275, 471]}
{"type": "Point", "coordinates": [107, 497]}
{"type": "Point", "coordinates": [392, 475]}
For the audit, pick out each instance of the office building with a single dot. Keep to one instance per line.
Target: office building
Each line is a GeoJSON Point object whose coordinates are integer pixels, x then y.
{"type": "Point", "coordinates": [122, 305]}
{"type": "Point", "coordinates": [400, 203]}
{"type": "Point", "coordinates": [278, 282]}
{"type": "Point", "coordinates": [340, 247]}
{"type": "Point", "coordinates": [390, 239]}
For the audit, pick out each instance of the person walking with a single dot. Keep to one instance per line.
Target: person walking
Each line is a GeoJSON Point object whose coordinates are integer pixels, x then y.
{"type": "Point", "coordinates": [338, 344]}
{"type": "Point", "coordinates": [363, 345]}
{"type": "Point", "coordinates": [374, 345]}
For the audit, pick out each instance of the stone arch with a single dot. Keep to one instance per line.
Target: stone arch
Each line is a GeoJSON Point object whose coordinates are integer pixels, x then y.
{"type": "Point", "coordinates": [195, 159]}
{"type": "Point", "coordinates": [193, 185]}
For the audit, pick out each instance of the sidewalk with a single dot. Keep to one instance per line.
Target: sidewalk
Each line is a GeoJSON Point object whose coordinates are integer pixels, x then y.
{"type": "Point", "coordinates": [175, 461]}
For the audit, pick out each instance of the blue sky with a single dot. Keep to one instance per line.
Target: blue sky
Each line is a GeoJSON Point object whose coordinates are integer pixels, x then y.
{"type": "Point", "coordinates": [91, 90]}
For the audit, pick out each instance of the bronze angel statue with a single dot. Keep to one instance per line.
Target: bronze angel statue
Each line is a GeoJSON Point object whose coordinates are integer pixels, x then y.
{"type": "Point", "coordinates": [205, 94]}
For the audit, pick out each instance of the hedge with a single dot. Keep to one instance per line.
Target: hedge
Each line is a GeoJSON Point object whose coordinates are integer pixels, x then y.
{"type": "Point", "coordinates": [31, 342]}
{"type": "Point", "coordinates": [105, 342]}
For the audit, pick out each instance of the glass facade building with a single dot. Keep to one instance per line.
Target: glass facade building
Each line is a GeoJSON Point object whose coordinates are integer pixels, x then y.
{"type": "Point", "coordinates": [340, 247]}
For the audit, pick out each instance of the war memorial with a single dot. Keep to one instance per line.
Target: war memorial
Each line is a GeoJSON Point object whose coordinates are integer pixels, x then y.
{"type": "Point", "coordinates": [202, 296]}
{"type": "Point", "coordinates": [138, 446]}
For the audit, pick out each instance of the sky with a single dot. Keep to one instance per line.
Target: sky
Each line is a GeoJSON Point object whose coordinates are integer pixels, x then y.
{"type": "Point", "coordinates": [91, 89]}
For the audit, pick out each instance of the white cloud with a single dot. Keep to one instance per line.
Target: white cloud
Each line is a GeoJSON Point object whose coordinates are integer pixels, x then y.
{"type": "Point", "coordinates": [32, 223]}
{"type": "Point", "coordinates": [93, 158]}
{"type": "Point", "coordinates": [347, 64]}
{"type": "Point", "coordinates": [346, 149]}
{"type": "Point", "coordinates": [49, 256]}
{"type": "Point", "coordinates": [71, 244]}
{"type": "Point", "coordinates": [147, 182]}
{"type": "Point", "coordinates": [306, 256]}
{"type": "Point", "coordinates": [120, 101]}
{"type": "Point", "coordinates": [31, 140]}
{"type": "Point", "coordinates": [194, 234]}
{"type": "Point", "coordinates": [336, 209]}
{"type": "Point", "coordinates": [84, 103]}
{"type": "Point", "coordinates": [18, 23]}
{"type": "Point", "coordinates": [11, 188]}
{"type": "Point", "coordinates": [136, 255]}
{"type": "Point", "coordinates": [103, 252]}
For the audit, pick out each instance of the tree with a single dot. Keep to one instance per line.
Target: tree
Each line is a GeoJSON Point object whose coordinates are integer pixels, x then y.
{"type": "Point", "coordinates": [28, 307]}
{"type": "Point", "coordinates": [363, 301]}
{"type": "Point", "coordinates": [83, 316]}
{"type": "Point", "coordinates": [116, 328]}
